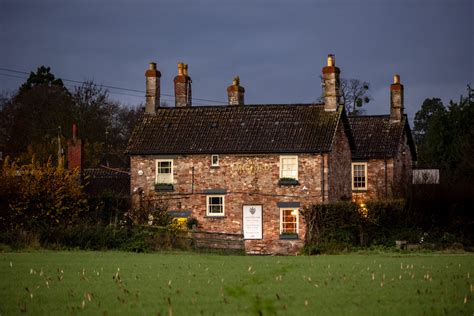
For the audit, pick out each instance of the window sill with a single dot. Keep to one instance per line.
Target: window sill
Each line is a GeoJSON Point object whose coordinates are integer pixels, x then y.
{"type": "Point", "coordinates": [288, 236]}
{"type": "Point", "coordinates": [359, 190]}
{"type": "Point", "coordinates": [288, 182]}
{"type": "Point", "coordinates": [215, 216]}
{"type": "Point", "coordinates": [164, 187]}
{"type": "Point", "coordinates": [215, 167]}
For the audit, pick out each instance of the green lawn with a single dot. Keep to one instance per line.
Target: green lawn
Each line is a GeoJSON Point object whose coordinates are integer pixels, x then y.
{"type": "Point", "coordinates": [111, 283]}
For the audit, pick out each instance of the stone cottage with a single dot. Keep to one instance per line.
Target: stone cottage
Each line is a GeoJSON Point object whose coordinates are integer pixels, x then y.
{"type": "Point", "coordinates": [247, 169]}
{"type": "Point", "coordinates": [383, 152]}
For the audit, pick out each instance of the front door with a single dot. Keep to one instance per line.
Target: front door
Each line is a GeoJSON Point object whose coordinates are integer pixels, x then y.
{"type": "Point", "coordinates": [253, 222]}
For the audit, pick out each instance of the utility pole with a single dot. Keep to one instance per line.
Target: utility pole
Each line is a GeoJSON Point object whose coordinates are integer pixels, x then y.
{"type": "Point", "coordinates": [59, 145]}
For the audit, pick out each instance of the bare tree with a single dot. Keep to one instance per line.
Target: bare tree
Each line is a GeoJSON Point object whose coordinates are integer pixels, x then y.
{"type": "Point", "coordinates": [353, 94]}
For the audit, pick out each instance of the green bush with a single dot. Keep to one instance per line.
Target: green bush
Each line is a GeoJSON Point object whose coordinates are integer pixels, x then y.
{"type": "Point", "coordinates": [339, 226]}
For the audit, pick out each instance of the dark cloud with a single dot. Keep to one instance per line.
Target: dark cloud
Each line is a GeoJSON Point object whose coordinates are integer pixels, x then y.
{"type": "Point", "coordinates": [277, 47]}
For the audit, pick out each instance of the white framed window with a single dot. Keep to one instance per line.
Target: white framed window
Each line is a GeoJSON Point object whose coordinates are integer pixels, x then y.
{"type": "Point", "coordinates": [289, 223]}
{"type": "Point", "coordinates": [215, 205]}
{"type": "Point", "coordinates": [289, 167]}
{"type": "Point", "coordinates": [359, 176]}
{"type": "Point", "coordinates": [214, 160]}
{"type": "Point", "coordinates": [164, 171]}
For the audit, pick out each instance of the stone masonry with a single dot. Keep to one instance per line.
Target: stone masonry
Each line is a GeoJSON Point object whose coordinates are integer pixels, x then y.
{"type": "Point", "coordinates": [248, 179]}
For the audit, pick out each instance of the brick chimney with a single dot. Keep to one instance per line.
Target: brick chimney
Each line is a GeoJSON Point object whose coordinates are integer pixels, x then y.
{"type": "Point", "coordinates": [235, 92]}
{"type": "Point", "coordinates": [331, 84]}
{"type": "Point", "coordinates": [182, 87]}
{"type": "Point", "coordinates": [396, 100]}
{"type": "Point", "coordinates": [75, 149]}
{"type": "Point", "coordinates": [152, 89]}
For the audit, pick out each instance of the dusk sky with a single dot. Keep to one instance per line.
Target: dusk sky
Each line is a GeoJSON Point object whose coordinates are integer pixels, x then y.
{"type": "Point", "coordinates": [276, 47]}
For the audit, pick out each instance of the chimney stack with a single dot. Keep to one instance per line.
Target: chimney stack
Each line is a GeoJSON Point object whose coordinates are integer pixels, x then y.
{"type": "Point", "coordinates": [235, 92]}
{"type": "Point", "coordinates": [182, 87]}
{"type": "Point", "coordinates": [75, 149]}
{"type": "Point", "coordinates": [331, 84]}
{"type": "Point", "coordinates": [152, 89]}
{"type": "Point", "coordinates": [396, 100]}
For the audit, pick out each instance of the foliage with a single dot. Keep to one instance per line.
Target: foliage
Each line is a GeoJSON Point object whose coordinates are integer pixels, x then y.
{"type": "Point", "coordinates": [37, 121]}
{"type": "Point", "coordinates": [354, 94]}
{"type": "Point", "coordinates": [341, 225]}
{"type": "Point", "coordinates": [192, 222]}
{"type": "Point", "coordinates": [39, 195]}
{"type": "Point", "coordinates": [105, 125]}
{"type": "Point", "coordinates": [151, 212]}
{"type": "Point", "coordinates": [36, 118]}
{"type": "Point", "coordinates": [42, 77]}
{"type": "Point", "coordinates": [445, 138]}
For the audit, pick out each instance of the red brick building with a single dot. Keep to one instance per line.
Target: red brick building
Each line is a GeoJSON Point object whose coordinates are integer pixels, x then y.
{"type": "Point", "coordinates": [247, 169]}
{"type": "Point", "coordinates": [383, 153]}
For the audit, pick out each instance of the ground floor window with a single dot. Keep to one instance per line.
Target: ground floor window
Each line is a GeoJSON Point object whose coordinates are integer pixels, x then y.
{"type": "Point", "coordinates": [289, 221]}
{"type": "Point", "coordinates": [359, 176]}
{"type": "Point", "coordinates": [215, 205]}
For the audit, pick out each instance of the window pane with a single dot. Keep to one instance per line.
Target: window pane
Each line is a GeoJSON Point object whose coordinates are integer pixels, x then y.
{"type": "Point", "coordinates": [215, 200]}
{"type": "Point", "coordinates": [289, 167]}
{"type": "Point", "coordinates": [289, 221]}
{"type": "Point", "coordinates": [215, 205]}
{"type": "Point", "coordinates": [359, 179]}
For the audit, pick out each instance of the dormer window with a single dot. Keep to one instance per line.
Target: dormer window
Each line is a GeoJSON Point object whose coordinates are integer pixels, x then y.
{"type": "Point", "coordinates": [214, 160]}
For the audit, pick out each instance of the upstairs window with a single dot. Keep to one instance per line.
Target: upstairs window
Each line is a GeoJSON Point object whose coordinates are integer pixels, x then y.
{"type": "Point", "coordinates": [214, 160]}
{"type": "Point", "coordinates": [164, 171]}
{"type": "Point", "coordinates": [359, 176]}
{"type": "Point", "coordinates": [215, 205]}
{"type": "Point", "coordinates": [289, 167]}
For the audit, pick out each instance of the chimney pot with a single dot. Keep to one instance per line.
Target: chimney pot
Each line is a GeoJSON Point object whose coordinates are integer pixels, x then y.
{"type": "Point", "coordinates": [396, 79]}
{"type": "Point", "coordinates": [235, 93]}
{"type": "Point", "coordinates": [182, 86]}
{"type": "Point", "coordinates": [180, 69]}
{"type": "Point", "coordinates": [331, 84]}
{"type": "Point", "coordinates": [185, 69]}
{"type": "Point", "coordinates": [152, 88]}
{"type": "Point", "coordinates": [396, 100]}
{"type": "Point", "coordinates": [331, 60]}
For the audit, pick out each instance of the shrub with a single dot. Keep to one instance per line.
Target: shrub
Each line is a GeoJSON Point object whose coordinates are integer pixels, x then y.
{"type": "Point", "coordinates": [338, 226]}
{"type": "Point", "coordinates": [39, 195]}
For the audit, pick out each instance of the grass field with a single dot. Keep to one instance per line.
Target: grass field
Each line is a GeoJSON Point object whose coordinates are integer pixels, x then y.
{"type": "Point", "coordinates": [178, 283]}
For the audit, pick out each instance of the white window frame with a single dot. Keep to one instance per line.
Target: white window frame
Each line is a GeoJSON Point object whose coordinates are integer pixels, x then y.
{"type": "Point", "coordinates": [281, 166]}
{"type": "Point", "coordinates": [365, 175]}
{"type": "Point", "coordinates": [157, 161]}
{"type": "Point", "coordinates": [208, 197]}
{"type": "Point", "coordinates": [297, 218]}
{"type": "Point", "coordinates": [212, 161]}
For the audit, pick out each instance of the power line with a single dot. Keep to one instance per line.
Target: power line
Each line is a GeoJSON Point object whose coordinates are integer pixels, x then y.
{"type": "Point", "coordinates": [77, 86]}
{"type": "Point", "coordinates": [110, 87]}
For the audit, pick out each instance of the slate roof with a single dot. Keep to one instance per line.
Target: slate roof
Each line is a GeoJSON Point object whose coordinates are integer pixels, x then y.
{"type": "Point", "coordinates": [98, 181]}
{"type": "Point", "coordinates": [376, 137]}
{"type": "Point", "coordinates": [287, 128]}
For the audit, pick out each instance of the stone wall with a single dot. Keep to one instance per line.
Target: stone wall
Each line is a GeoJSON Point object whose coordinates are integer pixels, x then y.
{"type": "Point", "coordinates": [340, 167]}
{"type": "Point", "coordinates": [403, 169]}
{"type": "Point", "coordinates": [248, 179]}
{"type": "Point", "coordinates": [379, 181]}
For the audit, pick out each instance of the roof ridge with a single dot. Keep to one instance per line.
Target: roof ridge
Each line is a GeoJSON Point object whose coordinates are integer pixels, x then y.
{"type": "Point", "coordinates": [237, 107]}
